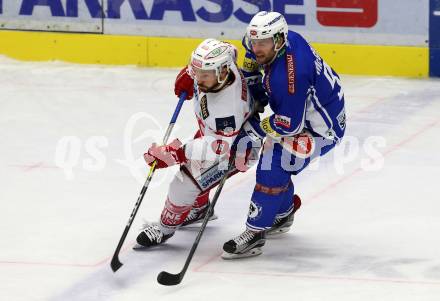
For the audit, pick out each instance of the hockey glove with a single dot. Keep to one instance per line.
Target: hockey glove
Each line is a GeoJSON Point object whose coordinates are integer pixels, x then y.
{"type": "Point", "coordinates": [247, 146]}
{"type": "Point", "coordinates": [166, 155]}
{"type": "Point", "coordinates": [184, 83]}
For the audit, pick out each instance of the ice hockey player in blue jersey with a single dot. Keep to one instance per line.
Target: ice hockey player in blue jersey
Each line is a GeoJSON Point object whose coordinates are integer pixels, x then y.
{"type": "Point", "coordinates": [308, 120]}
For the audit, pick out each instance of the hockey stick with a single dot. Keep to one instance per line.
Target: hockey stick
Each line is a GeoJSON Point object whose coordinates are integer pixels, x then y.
{"type": "Point", "coordinates": [166, 278]}
{"type": "Point", "coordinates": [116, 263]}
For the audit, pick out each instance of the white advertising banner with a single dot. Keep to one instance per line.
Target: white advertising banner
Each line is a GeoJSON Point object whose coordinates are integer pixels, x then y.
{"type": "Point", "coordinates": [376, 22]}
{"type": "Point", "coordinates": [52, 15]}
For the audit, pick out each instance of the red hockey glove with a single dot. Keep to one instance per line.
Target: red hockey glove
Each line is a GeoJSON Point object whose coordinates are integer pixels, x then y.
{"type": "Point", "coordinates": [184, 83]}
{"type": "Point", "coordinates": [166, 155]}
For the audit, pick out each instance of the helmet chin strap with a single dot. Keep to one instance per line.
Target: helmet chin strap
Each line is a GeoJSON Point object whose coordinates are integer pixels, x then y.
{"type": "Point", "coordinates": [219, 73]}
{"type": "Point", "coordinates": [221, 83]}
{"type": "Point", "coordinates": [276, 49]}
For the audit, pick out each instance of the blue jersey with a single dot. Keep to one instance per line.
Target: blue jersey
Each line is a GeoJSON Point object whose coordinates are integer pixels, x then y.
{"type": "Point", "coordinates": [303, 91]}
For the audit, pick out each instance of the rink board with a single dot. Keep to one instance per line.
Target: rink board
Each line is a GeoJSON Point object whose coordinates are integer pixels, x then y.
{"type": "Point", "coordinates": [162, 52]}
{"type": "Point", "coordinates": [371, 37]}
{"type": "Point", "coordinates": [371, 22]}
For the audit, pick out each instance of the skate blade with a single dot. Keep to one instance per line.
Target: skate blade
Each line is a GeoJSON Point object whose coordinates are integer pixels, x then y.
{"type": "Point", "coordinates": [277, 232]}
{"type": "Point", "coordinates": [251, 253]}
{"type": "Point", "coordinates": [198, 222]}
{"type": "Point", "coordinates": [138, 247]}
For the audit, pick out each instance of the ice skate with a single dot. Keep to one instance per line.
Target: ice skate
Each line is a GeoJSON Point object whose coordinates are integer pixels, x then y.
{"type": "Point", "coordinates": [150, 236]}
{"type": "Point", "coordinates": [196, 215]}
{"type": "Point", "coordinates": [247, 244]}
{"type": "Point", "coordinates": [283, 224]}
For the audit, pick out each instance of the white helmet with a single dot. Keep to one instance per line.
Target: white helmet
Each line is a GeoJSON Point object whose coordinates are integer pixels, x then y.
{"type": "Point", "coordinates": [267, 25]}
{"type": "Point", "coordinates": [212, 54]}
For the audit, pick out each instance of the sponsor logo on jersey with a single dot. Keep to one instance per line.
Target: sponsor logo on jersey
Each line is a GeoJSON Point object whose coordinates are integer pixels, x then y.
{"type": "Point", "coordinates": [225, 125]}
{"type": "Point", "coordinates": [341, 119]}
{"type": "Point", "coordinates": [204, 107]}
{"type": "Point", "coordinates": [265, 125]}
{"type": "Point", "coordinates": [210, 177]}
{"type": "Point", "coordinates": [267, 80]}
{"type": "Point", "coordinates": [290, 74]}
{"type": "Point", "coordinates": [172, 214]}
{"type": "Point", "coordinates": [249, 65]}
{"type": "Point", "coordinates": [282, 121]}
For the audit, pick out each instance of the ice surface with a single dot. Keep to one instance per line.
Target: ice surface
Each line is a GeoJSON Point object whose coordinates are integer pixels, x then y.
{"type": "Point", "coordinates": [71, 141]}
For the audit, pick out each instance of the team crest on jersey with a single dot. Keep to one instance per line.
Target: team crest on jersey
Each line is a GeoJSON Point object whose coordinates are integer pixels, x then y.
{"type": "Point", "coordinates": [290, 73]}
{"type": "Point", "coordinates": [282, 121]}
{"type": "Point", "coordinates": [301, 145]}
{"type": "Point", "coordinates": [204, 107]}
{"type": "Point", "coordinates": [225, 125]}
{"type": "Point", "coordinates": [220, 147]}
{"type": "Point", "coordinates": [254, 211]}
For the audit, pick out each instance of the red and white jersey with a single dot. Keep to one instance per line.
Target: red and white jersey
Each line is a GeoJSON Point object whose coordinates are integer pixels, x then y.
{"type": "Point", "coordinates": [219, 116]}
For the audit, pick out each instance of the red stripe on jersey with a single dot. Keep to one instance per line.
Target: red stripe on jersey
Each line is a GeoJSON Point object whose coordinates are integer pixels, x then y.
{"type": "Point", "coordinates": [244, 91]}
{"type": "Point", "coordinates": [231, 134]}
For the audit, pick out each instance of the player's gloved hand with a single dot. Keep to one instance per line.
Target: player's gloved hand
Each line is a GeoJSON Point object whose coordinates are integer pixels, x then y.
{"type": "Point", "coordinates": [259, 106]}
{"type": "Point", "coordinates": [247, 145]}
{"type": "Point", "coordinates": [184, 83]}
{"type": "Point", "coordinates": [166, 155]}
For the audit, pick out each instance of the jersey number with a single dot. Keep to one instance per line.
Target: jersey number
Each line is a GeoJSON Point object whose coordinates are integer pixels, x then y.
{"type": "Point", "coordinates": [333, 79]}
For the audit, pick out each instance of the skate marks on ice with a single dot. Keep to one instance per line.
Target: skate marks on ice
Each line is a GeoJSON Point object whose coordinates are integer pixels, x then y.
{"type": "Point", "coordinates": [299, 256]}
{"type": "Point", "coordinates": [140, 269]}
{"type": "Point", "coordinates": [103, 284]}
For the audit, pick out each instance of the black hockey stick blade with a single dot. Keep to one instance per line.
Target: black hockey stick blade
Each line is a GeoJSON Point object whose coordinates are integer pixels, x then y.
{"type": "Point", "coordinates": [115, 264]}
{"type": "Point", "coordinates": [169, 279]}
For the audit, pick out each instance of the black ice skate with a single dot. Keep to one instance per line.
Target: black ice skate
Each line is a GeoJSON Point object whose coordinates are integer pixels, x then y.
{"type": "Point", "coordinates": [247, 244]}
{"type": "Point", "coordinates": [150, 236]}
{"type": "Point", "coordinates": [283, 224]}
{"type": "Point", "coordinates": [196, 215]}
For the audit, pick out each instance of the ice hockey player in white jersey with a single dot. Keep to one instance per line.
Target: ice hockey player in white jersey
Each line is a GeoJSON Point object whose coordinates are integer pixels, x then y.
{"type": "Point", "coordinates": [221, 105]}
